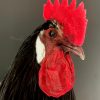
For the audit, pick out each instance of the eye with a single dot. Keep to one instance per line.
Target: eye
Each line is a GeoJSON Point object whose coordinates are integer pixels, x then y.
{"type": "Point", "coordinates": [52, 34]}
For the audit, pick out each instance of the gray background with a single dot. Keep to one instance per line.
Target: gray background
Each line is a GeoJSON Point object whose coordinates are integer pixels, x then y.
{"type": "Point", "coordinates": [18, 18]}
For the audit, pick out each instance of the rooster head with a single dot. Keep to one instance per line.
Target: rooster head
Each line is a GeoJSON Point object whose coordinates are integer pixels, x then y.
{"type": "Point", "coordinates": [62, 33]}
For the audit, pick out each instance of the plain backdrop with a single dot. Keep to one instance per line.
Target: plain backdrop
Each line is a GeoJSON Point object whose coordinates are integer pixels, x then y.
{"type": "Point", "coordinates": [18, 18]}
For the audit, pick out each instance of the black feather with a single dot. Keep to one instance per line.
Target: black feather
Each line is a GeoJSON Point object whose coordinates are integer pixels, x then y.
{"type": "Point", "coordinates": [21, 82]}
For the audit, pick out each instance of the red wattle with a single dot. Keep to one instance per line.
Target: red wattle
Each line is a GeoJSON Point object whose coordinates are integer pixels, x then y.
{"type": "Point", "coordinates": [56, 75]}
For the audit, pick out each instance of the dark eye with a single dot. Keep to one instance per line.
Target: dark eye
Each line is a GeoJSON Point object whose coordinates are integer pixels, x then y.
{"type": "Point", "coordinates": [52, 34]}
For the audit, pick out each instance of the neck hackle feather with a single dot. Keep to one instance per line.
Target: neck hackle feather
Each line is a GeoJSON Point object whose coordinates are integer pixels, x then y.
{"type": "Point", "coordinates": [72, 18]}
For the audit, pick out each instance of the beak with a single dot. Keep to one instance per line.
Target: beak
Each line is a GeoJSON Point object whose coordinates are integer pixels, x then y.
{"type": "Point", "coordinates": [68, 47]}
{"type": "Point", "coordinates": [77, 51]}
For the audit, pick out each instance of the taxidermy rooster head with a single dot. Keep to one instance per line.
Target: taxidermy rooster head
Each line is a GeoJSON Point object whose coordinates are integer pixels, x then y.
{"type": "Point", "coordinates": [43, 67]}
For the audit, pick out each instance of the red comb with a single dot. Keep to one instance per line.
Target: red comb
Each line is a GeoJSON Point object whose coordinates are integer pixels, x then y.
{"type": "Point", "coordinates": [72, 19]}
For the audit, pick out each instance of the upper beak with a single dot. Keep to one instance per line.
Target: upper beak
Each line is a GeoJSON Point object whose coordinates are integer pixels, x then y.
{"type": "Point", "coordinates": [68, 47]}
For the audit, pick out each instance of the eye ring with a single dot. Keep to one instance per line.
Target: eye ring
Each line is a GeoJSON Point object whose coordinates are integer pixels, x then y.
{"type": "Point", "coordinates": [52, 33]}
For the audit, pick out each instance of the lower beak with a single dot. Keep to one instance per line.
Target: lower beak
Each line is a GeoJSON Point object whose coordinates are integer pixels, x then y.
{"type": "Point", "coordinates": [77, 50]}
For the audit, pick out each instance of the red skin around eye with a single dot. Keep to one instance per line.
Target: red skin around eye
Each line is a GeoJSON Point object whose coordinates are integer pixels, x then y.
{"type": "Point", "coordinates": [56, 75]}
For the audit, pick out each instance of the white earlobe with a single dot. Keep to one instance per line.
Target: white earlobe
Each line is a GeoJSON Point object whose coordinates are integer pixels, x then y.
{"type": "Point", "coordinates": [40, 50]}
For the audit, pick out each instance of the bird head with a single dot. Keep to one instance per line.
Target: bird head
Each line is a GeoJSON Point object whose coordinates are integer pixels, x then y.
{"type": "Point", "coordinates": [52, 36]}
{"type": "Point", "coordinates": [62, 33]}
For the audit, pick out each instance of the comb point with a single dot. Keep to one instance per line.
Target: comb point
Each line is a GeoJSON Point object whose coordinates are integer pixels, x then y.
{"type": "Point", "coordinates": [56, 3]}
{"type": "Point", "coordinates": [73, 4]}
{"type": "Point", "coordinates": [81, 5]}
{"type": "Point", "coordinates": [64, 2]}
